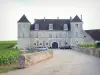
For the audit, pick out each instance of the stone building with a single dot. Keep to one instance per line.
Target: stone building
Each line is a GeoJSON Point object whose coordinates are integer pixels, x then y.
{"type": "Point", "coordinates": [51, 32]}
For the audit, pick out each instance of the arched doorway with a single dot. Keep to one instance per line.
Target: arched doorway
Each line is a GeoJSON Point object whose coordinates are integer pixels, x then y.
{"type": "Point", "coordinates": [54, 45]}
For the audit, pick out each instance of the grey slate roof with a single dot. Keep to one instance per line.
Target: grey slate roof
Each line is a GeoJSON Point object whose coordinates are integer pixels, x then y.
{"type": "Point", "coordinates": [57, 24]}
{"type": "Point", "coordinates": [95, 34]}
{"type": "Point", "coordinates": [23, 19]}
{"type": "Point", "coordinates": [76, 19]}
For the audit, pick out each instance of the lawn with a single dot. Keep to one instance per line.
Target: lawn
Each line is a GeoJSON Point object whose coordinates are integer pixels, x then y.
{"type": "Point", "coordinates": [8, 55]}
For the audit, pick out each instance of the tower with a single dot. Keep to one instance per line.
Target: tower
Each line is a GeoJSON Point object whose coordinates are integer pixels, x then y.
{"type": "Point", "coordinates": [23, 33]}
{"type": "Point", "coordinates": [76, 30]}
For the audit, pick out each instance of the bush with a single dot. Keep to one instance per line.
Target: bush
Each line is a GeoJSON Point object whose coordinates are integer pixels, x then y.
{"type": "Point", "coordinates": [98, 45]}
{"type": "Point", "coordinates": [8, 56]}
{"type": "Point", "coordinates": [88, 45]}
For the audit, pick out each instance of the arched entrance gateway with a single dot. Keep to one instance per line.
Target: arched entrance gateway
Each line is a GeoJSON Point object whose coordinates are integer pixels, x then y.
{"type": "Point", "coordinates": [54, 45]}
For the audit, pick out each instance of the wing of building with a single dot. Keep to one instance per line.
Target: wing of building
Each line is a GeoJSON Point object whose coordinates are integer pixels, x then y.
{"type": "Point", "coordinates": [52, 32]}
{"type": "Point", "coordinates": [94, 33]}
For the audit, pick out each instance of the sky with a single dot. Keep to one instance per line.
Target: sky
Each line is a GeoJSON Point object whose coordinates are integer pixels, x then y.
{"type": "Point", "coordinates": [12, 10]}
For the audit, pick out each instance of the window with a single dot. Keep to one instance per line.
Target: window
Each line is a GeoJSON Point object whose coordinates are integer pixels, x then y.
{"type": "Point", "coordinates": [76, 34]}
{"type": "Point", "coordinates": [50, 26]}
{"type": "Point", "coordinates": [65, 27]}
{"type": "Point", "coordinates": [36, 34]}
{"type": "Point", "coordinates": [46, 43]}
{"type": "Point", "coordinates": [34, 43]}
{"type": "Point", "coordinates": [36, 26]}
{"type": "Point", "coordinates": [77, 25]}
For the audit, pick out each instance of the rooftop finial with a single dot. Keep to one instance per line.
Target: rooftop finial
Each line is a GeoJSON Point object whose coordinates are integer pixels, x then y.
{"type": "Point", "coordinates": [81, 17]}
{"type": "Point", "coordinates": [57, 17]}
{"type": "Point", "coordinates": [44, 18]}
{"type": "Point", "coordinates": [70, 18]}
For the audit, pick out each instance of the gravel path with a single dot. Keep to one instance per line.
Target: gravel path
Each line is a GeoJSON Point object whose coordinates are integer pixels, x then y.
{"type": "Point", "coordinates": [64, 62]}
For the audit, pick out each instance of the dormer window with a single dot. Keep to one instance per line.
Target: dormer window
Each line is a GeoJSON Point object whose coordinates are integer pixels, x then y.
{"type": "Point", "coordinates": [65, 27]}
{"type": "Point", "coordinates": [36, 26]}
{"type": "Point", "coordinates": [50, 26]}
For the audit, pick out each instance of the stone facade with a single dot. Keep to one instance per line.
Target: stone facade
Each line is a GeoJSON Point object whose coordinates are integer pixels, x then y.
{"type": "Point", "coordinates": [71, 35]}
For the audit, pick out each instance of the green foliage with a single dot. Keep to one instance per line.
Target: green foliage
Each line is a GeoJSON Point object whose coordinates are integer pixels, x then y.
{"type": "Point", "coordinates": [98, 44]}
{"type": "Point", "coordinates": [8, 69]}
{"type": "Point", "coordinates": [90, 45]}
{"type": "Point", "coordinates": [8, 55]}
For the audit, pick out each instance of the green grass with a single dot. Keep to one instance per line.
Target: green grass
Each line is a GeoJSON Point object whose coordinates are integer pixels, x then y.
{"type": "Point", "coordinates": [8, 55]}
{"type": "Point", "coordinates": [2, 70]}
{"type": "Point", "coordinates": [6, 44]}
{"type": "Point", "coordinates": [12, 41]}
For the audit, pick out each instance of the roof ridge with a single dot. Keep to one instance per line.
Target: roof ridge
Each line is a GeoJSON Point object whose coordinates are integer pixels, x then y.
{"type": "Point", "coordinates": [51, 19]}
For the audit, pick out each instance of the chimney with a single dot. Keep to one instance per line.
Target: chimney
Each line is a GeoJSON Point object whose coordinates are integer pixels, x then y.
{"type": "Point", "coordinates": [70, 18]}
{"type": "Point", "coordinates": [44, 18]}
{"type": "Point", "coordinates": [34, 19]}
{"type": "Point", "coordinates": [81, 17]}
{"type": "Point", "coordinates": [57, 17]}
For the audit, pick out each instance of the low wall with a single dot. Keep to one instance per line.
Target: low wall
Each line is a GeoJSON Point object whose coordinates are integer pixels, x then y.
{"type": "Point", "coordinates": [26, 60]}
{"type": "Point", "coordinates": [90, 51]}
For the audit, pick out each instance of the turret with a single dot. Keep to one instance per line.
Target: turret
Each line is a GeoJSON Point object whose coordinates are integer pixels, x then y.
{"type": "Point", "coordinates": [23, 32]}
{"type": "Point", "coordinates": [76, 26]}
{"type": "Point", "coordinates": [76, 29]}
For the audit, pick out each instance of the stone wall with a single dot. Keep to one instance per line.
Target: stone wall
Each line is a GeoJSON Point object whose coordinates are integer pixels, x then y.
{"type": "Point", "coordinates": [90, 51]}
{"type": "Point", "coordinates": [26, 60]}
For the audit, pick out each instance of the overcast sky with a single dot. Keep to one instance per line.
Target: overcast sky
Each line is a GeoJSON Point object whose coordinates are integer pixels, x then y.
{"type": "Point", "coordinates": [12, 10]}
